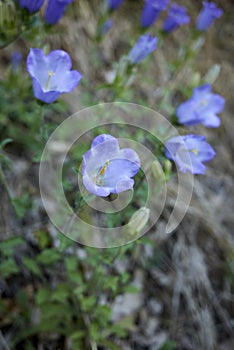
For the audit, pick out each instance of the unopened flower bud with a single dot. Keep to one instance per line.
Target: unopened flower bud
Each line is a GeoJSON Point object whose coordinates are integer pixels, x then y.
{"type": "Point", "coordinates": [212, 74]}
{"type": "Point", "coordinates": [156, 171]}
{"type": "Point", "coordinates": [195, 79]}
{"type": "Point", "coordinates": [138, 221]}
{"type": "Point", "coordinates": [7, 16]}
{"type": "Point", "coordinates": [167, 165]}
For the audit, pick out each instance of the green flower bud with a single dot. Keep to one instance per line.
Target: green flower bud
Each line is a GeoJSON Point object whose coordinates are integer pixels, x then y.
{"type": "Point", "coordinates": [138, 221]}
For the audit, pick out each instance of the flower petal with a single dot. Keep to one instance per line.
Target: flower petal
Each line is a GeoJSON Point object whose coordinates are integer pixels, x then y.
{"type": "Point", "coordinates": [118, 169]}
{"type": "Point", "coordinates": [47, 97]}
{"type": "Point", "coordinates": [98, 155]}
{"type": "Point", "coordinates": [102, 138]}
{"type": "Point", "coordinates": [93, 188]}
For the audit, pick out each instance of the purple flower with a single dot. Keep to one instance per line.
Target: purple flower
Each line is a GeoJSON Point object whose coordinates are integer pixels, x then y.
{"type": "Point", "coordinates": [143, 47]}
{"type": "Point", "coordinates": [106, 27]}
{"type": "Point", "coordinates": [114, 4]}
{"type": "Point", "coordinates": [31, 5]}
{"type": "Point", "coordinates": [207, 15]}
{"type": "Point", "coordinates": [16, 60]}
{"type": "Point", "coordinates": [201, 108]}
{"type": "Point", "coordinates": [189, 152]}
{"type": "Point", "coordinates": [55, 10]}
{"type": "Point", "coordinates": [108, 169]}
{"type": "Point", "coordinates": [151, 11]}
{"type": "Point", "coordinates": [51, 74]}
{"type": "Point", "coordinates": [177, 16]}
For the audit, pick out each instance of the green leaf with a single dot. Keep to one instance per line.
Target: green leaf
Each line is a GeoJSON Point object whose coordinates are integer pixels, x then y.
{"type": "Point", "coordinates": [48, 257]}
{"type": "Point", "coordinates": [4, 143]}
{"type": "Point", "coordinates": [168, 345]}
{"type": "Point", "coordinates": [7, 247]}
{"type": "Point", "coordinates": [109, 344]}
{"type": "Point", "coordinates": [21, 204]}
{"type": "Point", "coordinates": [61, 292]}
{"type": "Point", "coordinates": [31, 265]}
{"type": "Point", "coordinates": [131, 289]}
{"type": "Point", "coordinates": [120, 328]}
{"type": "Point", "coordinates": [42, 296]}
{"type": "Point", "coordinates": [71, 263]}
{"type": "Point", "coordinates": [8, 268]}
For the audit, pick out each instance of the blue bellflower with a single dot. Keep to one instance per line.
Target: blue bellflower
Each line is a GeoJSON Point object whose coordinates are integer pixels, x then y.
{"type": "Point", "coordinates": [201, 108]}
{"type": "Point", "coordinates": [114, 4]}
{"type": "Point", "coordinates": [143, 47]}
{"type": "Point", "coordinates": [108, 169]}
{"type": "Point", "coordinates": [208, 15]}
{"type": "Point", "coordinates": [151, 11]}
{"type": "Point", "coordinates": [177, 16]}
{"type": "Point", "coordinates": [55, 10]}
{"type": "Point", "coordinates": [31, 5]}
{"type": "Point", "coordinates": [189, 152]}
{"type": "Point", "coordinates": [16, 60]}
{"type": "Point", "coordinates": [51, 74]}
{"type": "Point", "coordinates": [106, 27]}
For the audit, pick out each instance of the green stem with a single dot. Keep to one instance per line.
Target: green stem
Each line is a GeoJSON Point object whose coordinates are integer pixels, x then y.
{"type": "Point", "coordinates": [7, 189]}
{"type": "Point", "coordinates": [42, 128]}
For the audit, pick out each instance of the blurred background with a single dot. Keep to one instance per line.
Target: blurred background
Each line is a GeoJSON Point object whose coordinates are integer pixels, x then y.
{"type": "Point", "coordinates": [173, 292]}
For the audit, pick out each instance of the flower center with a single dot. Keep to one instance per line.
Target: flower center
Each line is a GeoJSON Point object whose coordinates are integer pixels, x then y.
{"type": "Point", "coordinates": [50, 75]}
{"type": "Point", "coordinates": [101, 172]}
{"type": "Point", "coordinates": [203, 102]}
{"type": "Point", "coordinates": [195, 151]}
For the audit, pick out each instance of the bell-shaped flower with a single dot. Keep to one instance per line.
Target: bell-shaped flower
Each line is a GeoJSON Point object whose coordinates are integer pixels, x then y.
{"type": "Point", "coordinates": [177, 16]}
{"type": "Point", "coordinates": [31, 5]}
{"type": "Point", "coordinates": [108, 169]}
{"type": "Point", "coordinates": [201, 108]}
{"type": "Point", "coordinates": [114, 4]}
{"type": "Point", "coordinates": [51, 74]}
{"type": "Point", "coordinates": [143, 47]}
{"type": "Point", "coordinates": [189, 152]}
{"type": "Point", "coordinates": [55, 10]}
{"type": "Point", "coordinates": [208, 15]}
{"type": "Point", "coordinates": [151, 11]}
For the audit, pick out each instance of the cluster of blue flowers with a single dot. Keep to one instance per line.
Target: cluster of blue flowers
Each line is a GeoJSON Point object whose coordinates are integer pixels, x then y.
{"type": "Point", "coordinates": [107, 169]}
{"type": "Point", "coordinates": [190, 151]}
{"type": "Point", "coordinates": [177, 15]}
{"type": "Point", "coordinates": [54, 10]}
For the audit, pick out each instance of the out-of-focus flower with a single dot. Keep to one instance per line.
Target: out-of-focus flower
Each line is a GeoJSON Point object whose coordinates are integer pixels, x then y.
{"type": "Point", "coordinates": [31, 5]}
{"type": "Point", "coordinates": [51, 74]}
{"type": "Point", "coordinates": [151, 11]}
{"type": "Point", "coordinates": [177, 16]}
{"type": "Point", "coordinates": [55, 10]}
{"type": "Point", "coordinates": [16, 60]}
{"type": "Point", "coordinates": [189, 152]}
{"type": "Point", "coordinates": [143, 47]}
{"type": "Point", "coordinates": [108, 169]}
{"type": "Point", "coordinates": [114, 4]}
{"type": "Point", "coordinates": [201, 108]}
{"type": "Point", "coordinates": [208, 14]}
{"type": "Point", "coordinates": [105, 27]}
